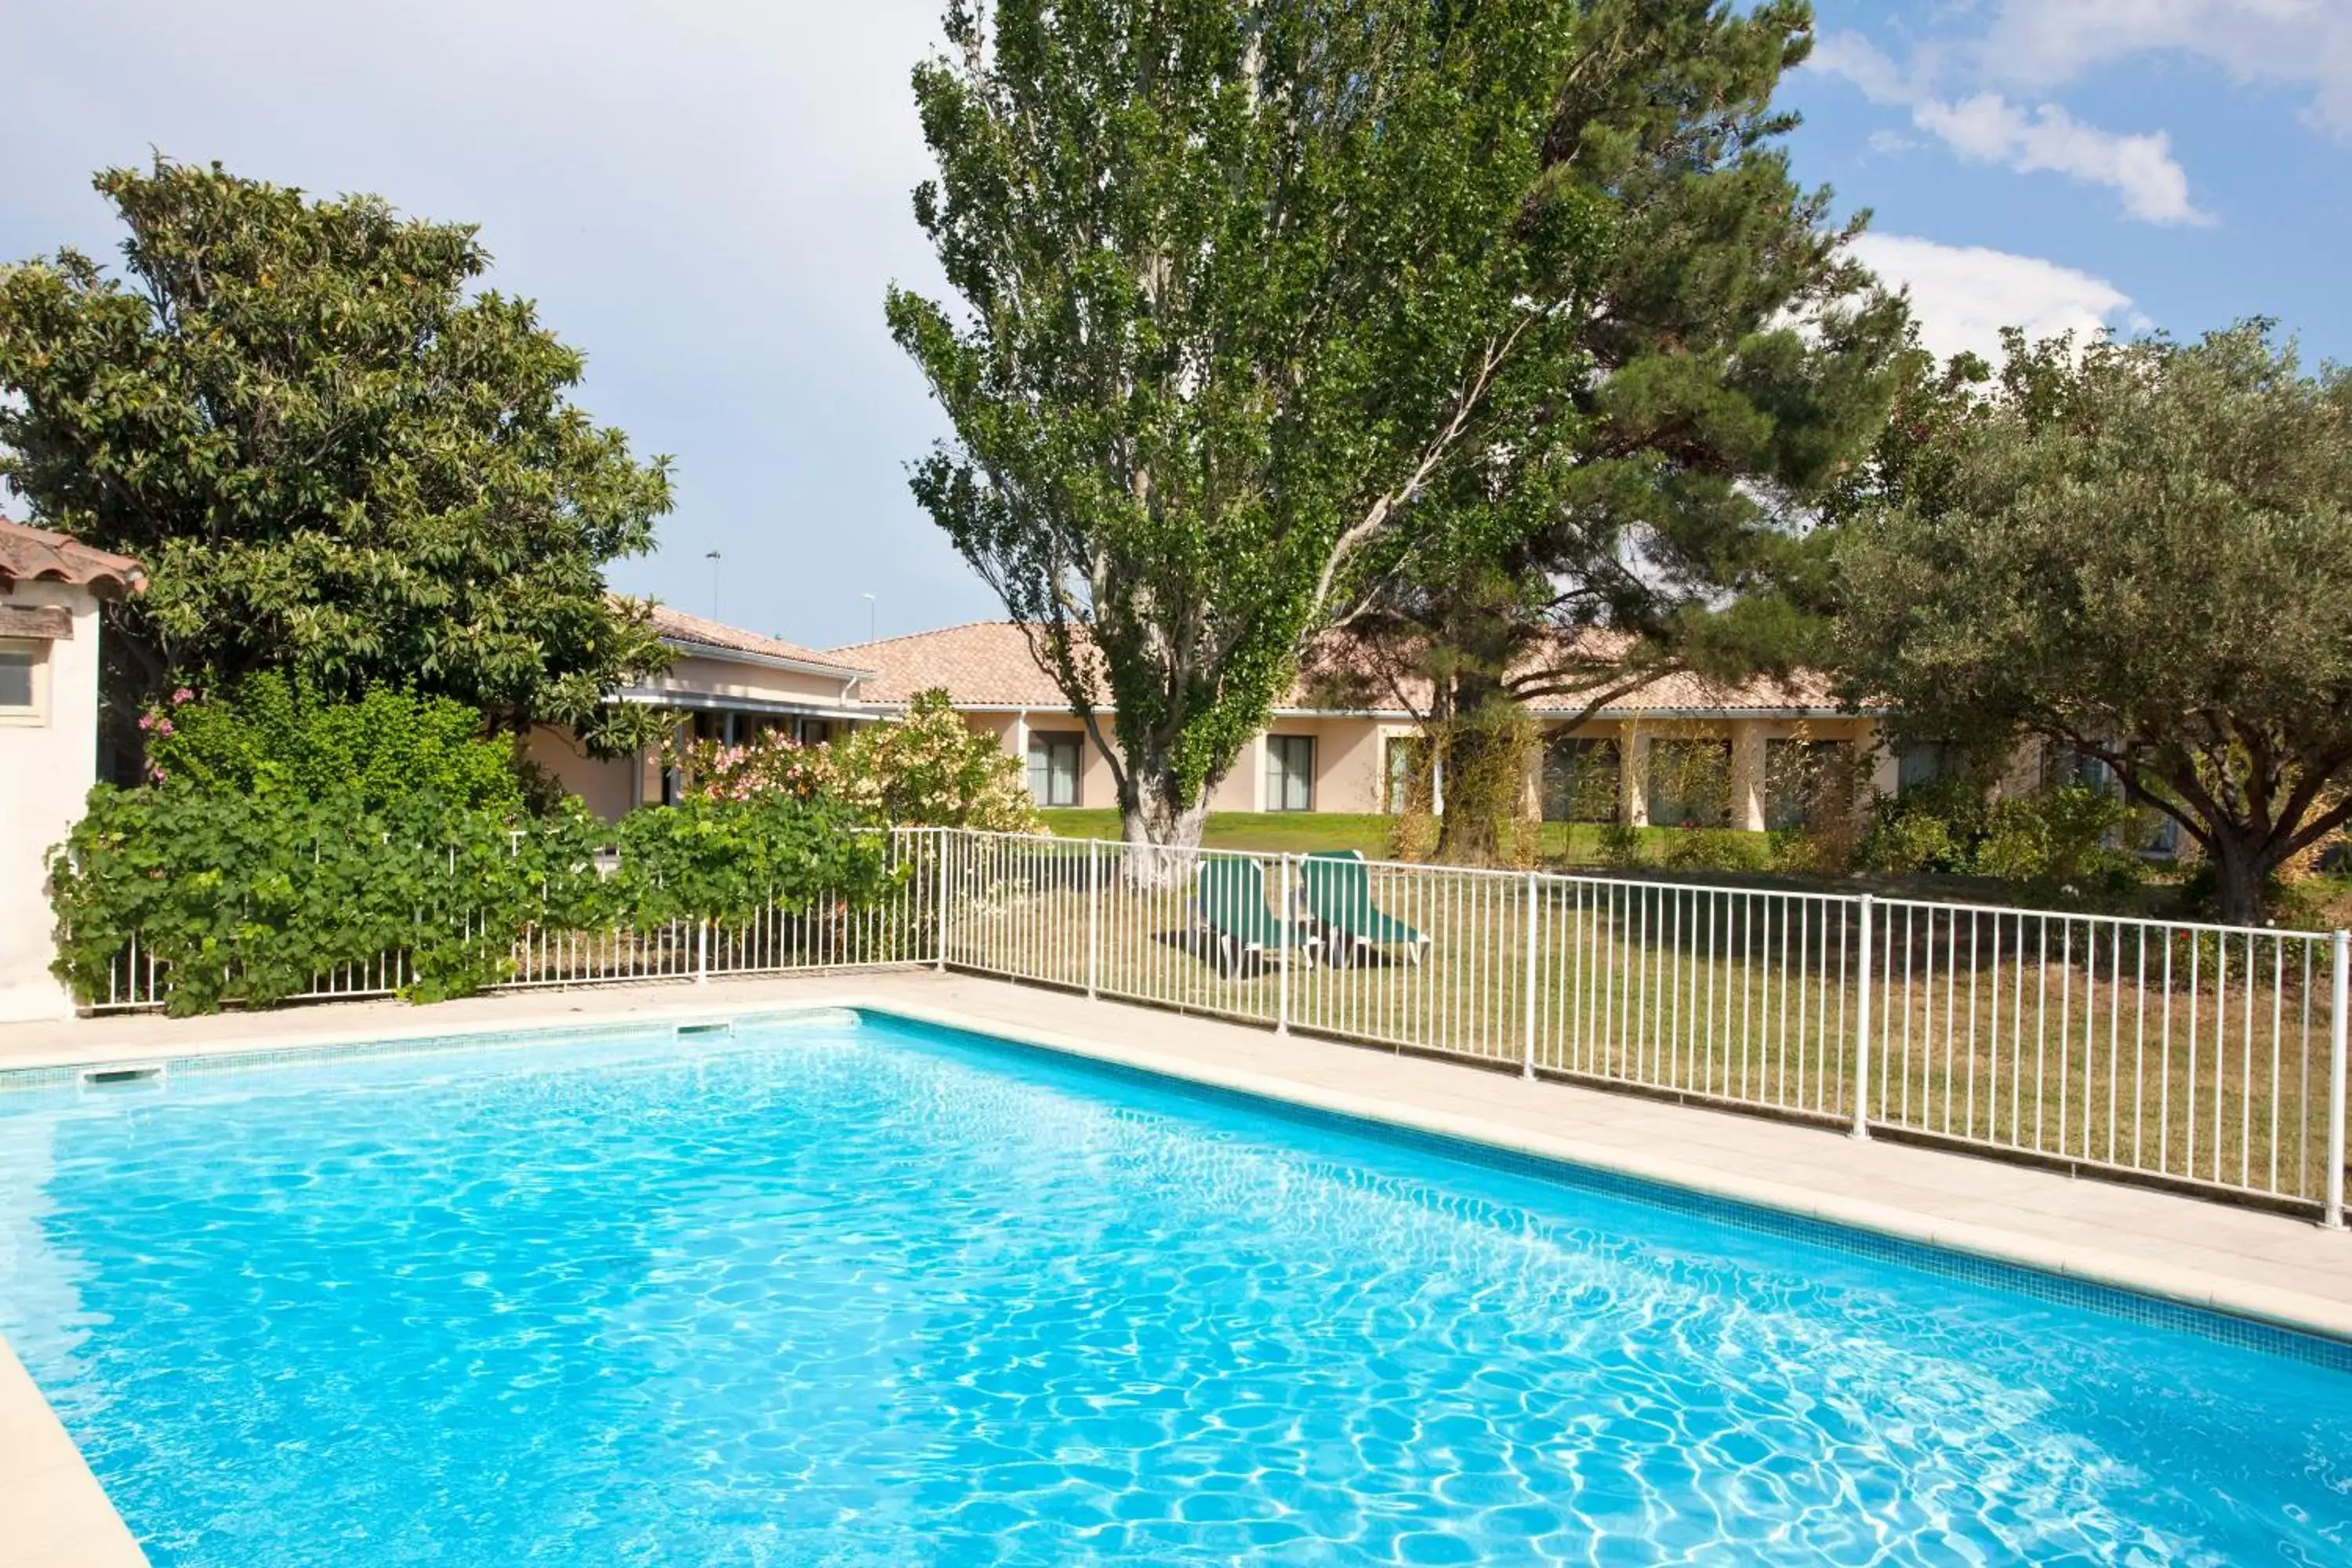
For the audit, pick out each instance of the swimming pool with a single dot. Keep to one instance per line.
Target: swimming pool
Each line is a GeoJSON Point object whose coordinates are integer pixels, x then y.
{"type": "Point", "coordinates": [851, 1290]}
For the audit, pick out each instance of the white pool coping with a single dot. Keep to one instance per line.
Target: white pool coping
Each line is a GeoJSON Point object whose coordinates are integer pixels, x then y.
{"type": "Point", "coordinates": [2248, 1264]}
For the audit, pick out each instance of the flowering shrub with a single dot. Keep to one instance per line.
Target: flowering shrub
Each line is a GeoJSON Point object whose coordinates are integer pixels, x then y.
{"type": "Point", "coordinates": [927, 771]}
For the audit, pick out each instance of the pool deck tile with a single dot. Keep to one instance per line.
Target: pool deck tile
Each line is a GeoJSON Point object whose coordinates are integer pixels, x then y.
{"type": "Point", "coordinates": [2239, 1259]}
{"type": "Point", "coordinates": [53, 1513]}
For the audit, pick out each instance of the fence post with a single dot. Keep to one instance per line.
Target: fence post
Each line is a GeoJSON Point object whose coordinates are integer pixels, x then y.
{"type": "Point", "coordinates": [1289, 952]}
{"type": "Point", "coordinates": [940, 900]}
{"type": "Point", "coordinates": [702, 951]}
{"type": "Point", "coordinates": [1528, 982]}
{"type": "Point", "coordinates": [2333, 1215]}
{"type": "Point", "coordinates": [1094, 916]}
{"type": "Point", "coordinates": [1862, 1032]}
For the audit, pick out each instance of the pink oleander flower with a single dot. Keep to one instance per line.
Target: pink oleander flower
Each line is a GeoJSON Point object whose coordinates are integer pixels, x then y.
{"type": "Point", "coordinates": [163, 726]}
{"type": "Point", "coordinates": [157, 774]}
{"type": "Point", "coordinates": [146, 721]}
{"type": "Point", "coordinates": [182, 694]}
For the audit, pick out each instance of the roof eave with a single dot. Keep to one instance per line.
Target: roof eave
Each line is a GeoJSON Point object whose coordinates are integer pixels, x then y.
{"type": "Point", "coordinates": [699, 649]}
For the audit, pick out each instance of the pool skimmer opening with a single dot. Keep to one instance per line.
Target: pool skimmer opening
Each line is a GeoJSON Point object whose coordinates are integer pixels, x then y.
{"type": "Point", "coordinates": [121, 1075]}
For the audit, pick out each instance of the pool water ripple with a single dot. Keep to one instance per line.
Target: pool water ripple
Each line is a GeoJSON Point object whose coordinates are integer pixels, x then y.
{"type": "Point", "coordinates": [873, 1293]}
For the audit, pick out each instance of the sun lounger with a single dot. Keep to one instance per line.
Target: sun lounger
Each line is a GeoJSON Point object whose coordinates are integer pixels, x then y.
{"type": "Point", "coordinates": [1232, 904]}
{"type": "Point", "coordinates": [1335, 887]}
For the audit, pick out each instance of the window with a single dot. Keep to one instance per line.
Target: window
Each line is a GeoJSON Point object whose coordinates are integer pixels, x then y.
{"type": "Point", "coordinates": [1690, 784]}
{"type": "Point", "coordinates": [1290, 773]}
{"type": "Point", "coordinates": [1408, 784]}
{"type": "Point", "coordinates": [1919, 763]}
{"type": "Point", "coordinates": [20, 678]}
{"type": "Point", "coordinates": [1582, 780]}
{"type": "Point", "coordinates": [1053, 768]}
{"type": "Point", "coordinates": [815, 731]}
{"type": "Point", "coordinates": [1804, 781]}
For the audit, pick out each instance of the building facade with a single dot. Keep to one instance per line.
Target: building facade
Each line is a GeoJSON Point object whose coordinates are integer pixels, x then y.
{"type": "Point", "coordinates": [1678, 750]}
{"type": "Point", "coordinates": [731, 685]}
{"type": "Point", "coordinates": [51, 591]}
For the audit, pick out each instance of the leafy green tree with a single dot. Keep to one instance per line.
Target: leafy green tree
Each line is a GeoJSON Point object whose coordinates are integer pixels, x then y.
{"type": "Point", "coordinates": [2139, 552]}
{"type": "Point", "coordinates": [1656, 517]}
{"type": "Point", "coordinates": [336, 456]}
{"type": "Point", "coordinates": [270, 735]}
{"type": "Point", "coordinates": [1242, 280]}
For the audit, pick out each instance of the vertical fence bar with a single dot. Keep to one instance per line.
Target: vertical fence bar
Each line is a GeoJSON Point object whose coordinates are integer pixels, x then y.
{"type": "Point", "coordinates": [1527, 985]}
{"type": "Point", "coordinates": [702, 952]}
{"type": "Point", "coordinates": [1862, 1032]}
{"type": "Point", "coordinates": [2332, 1215]}
{"type": "Point", "coordinates": [1288, 926]}
{"type": "Point", "coordinates": [1094, 917]}
{"type": "Point", "coordinates": [939, 895]}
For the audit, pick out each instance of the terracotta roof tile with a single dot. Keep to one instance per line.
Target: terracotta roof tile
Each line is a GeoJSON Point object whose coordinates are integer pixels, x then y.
{"type": "Point", "coordinates": [982, 664]}
{"type": "Point", "coordinates": [676, 623]}
{"type": "Point", "coordinates": [34, 554]}
{"type": "Point", "coordinates": [987, 664]}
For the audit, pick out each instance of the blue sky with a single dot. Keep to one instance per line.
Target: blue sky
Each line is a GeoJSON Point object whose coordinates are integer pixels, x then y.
{"type": "Point", "coordinates": [709, 199]}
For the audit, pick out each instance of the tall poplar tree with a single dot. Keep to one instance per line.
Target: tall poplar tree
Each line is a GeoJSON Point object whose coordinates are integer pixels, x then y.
{"type": "Point", "coordinates": [1241, 282]}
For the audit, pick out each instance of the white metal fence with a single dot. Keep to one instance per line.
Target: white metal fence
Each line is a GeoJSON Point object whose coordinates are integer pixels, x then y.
{"type": "Point", "coordinates": [2208, 1057]}
{"type": "Point", "coordinates": [821, 934]}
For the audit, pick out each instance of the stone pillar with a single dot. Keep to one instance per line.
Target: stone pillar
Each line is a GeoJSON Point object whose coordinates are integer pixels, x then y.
{"type": "Point", "coordinates": [1747, 780]}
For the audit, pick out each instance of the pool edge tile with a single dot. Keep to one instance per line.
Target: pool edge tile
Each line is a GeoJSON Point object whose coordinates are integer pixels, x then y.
{"type": "Point", "coordinates": [2291, 1312]}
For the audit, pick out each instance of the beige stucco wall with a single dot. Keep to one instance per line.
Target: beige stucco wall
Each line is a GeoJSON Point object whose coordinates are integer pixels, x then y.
{"type": "Point", "coordinates": [603, 784]}
{"type": "Point", "coordinates": [709, 677]}
{"type": "Point", "coordinates": [48, 763]}
{"type": "Point", "coordinates": [1351, 756]}
{"type": "Point", "coordinates": [1097, 789]}
{"type": "Point", "coordinates": [1347, 760]}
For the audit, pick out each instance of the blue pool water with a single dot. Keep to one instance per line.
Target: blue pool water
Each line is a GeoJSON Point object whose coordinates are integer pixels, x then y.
{"type": "Point", "coordinates": [842, 1292]}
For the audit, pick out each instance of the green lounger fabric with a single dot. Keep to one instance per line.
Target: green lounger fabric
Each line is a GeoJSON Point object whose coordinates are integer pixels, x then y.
{"type": "Point", "coordinates": [1338, 889]}
{"type": "Point", "coordinates": [1232, 904]}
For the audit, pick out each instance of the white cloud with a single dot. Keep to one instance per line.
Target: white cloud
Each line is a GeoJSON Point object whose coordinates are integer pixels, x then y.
{"type": "Point", "coordinates": [1987, 128]}
{"type": "Point", "coordinates": [2301, 44]}
{"type": "Point", "coordinates": [1962, 296]}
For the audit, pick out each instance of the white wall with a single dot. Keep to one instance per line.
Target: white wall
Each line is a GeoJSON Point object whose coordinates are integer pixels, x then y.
{"type": "Point", "coordinates": [47, 766]}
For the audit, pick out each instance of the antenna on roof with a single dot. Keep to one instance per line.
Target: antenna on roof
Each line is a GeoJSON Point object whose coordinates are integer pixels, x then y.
{"type": "Point", "coordinates": [712, 556]}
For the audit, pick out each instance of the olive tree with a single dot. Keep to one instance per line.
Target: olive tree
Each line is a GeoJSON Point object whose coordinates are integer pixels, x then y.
{"type": "Point", "coordinates": [2140, 552]}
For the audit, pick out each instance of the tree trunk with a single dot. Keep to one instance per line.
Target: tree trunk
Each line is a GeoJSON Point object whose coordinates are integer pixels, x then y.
{"type": "Point", "coordinates": [2240, 877]}
{"type": "Point", "coordinates": [1485, 748]}
{"type": "Point", "coordinates": [1161, 837]}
